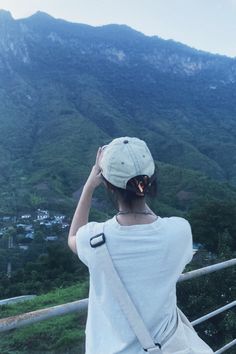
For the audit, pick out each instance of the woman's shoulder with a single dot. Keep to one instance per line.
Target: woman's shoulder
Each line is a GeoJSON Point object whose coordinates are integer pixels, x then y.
{"type": "Point", "coordinates": [178, 224]}
{"type": "Point", "coordinates": [174, 222]}
{"type": "Point", "coordinates": [182, 228]}
{"type": "Point", "coordinates": [177, 220]}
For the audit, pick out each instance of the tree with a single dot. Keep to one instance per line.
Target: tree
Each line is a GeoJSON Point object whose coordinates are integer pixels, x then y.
{"type": "Point", "coordinates": [211, 220]}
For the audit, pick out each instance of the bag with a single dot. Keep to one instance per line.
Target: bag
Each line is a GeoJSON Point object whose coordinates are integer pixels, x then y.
{"type": "Point", "coordinates": [185, 339]}
{"type": "Point", "coordinates": [182, 340]}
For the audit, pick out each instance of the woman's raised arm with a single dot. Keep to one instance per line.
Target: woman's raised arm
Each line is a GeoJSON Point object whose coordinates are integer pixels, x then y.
{"type": "Point", "coordinates": [81, 214]}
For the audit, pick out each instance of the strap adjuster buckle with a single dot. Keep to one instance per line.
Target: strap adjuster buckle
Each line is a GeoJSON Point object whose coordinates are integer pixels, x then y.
{"type": "Point", "coordinates": [153, 349]}
{"type": "Point", "coordinates": [97, 240]}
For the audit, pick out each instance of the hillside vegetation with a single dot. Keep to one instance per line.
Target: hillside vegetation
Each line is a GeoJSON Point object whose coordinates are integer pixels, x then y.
{"type": "Point", "coordinates": [59, 335]}
{"type": "Point", "coordinates": [65, 90]}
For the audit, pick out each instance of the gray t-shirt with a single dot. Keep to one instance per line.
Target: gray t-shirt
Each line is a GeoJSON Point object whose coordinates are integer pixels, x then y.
{"type": "Point", "coordinates": [149, 259]}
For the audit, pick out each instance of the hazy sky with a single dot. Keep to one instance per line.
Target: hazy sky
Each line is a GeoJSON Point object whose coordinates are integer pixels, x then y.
{"type": "Point", "coordinates": [204, 24]}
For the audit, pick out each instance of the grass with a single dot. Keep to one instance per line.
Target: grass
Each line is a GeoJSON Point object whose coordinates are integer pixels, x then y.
{"type": "Point", "coordinates": [64, 334]}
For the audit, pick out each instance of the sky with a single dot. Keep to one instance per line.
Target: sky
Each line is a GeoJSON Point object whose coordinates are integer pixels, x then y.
{"type": "Point", "coordinates": [208, 25]}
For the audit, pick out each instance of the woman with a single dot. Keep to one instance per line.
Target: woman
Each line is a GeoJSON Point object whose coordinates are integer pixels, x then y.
{"type": "Point", "coordinates": [149, 252]}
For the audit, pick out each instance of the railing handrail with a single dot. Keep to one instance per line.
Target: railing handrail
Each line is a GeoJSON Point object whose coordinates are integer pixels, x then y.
{"type": "Point", "coordinates": [206, 270]}
{"type": "Point", "coordinates": [226, 347]}
{"type": "Point", "coordinates": [6, 324]}
{"type": "Point", "coordinates": [81, 305]}
{"type": "Point", "coordinates": [14, 300]}
{"type": "Point", "coordinates": [214, 313]}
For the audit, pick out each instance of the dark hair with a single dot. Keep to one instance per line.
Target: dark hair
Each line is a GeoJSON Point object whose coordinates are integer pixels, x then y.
{"type": "Point", "coordinates": [131, 194]}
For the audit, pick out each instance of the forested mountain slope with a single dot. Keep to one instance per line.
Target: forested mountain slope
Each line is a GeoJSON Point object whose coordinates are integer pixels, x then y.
{"type": "Point", "coordinates": [67, 88]}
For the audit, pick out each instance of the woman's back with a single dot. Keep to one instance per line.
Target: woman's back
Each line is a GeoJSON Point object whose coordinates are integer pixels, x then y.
{"type": "Point", "coordinates": [149, 258]}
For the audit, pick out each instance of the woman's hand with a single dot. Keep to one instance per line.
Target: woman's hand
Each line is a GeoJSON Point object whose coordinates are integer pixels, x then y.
{"type": "Point", "coordinates": [95, 177]}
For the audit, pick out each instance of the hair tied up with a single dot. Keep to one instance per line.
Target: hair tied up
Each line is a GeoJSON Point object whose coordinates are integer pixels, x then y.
{"type": "Point", "coordinates": [139, 185]}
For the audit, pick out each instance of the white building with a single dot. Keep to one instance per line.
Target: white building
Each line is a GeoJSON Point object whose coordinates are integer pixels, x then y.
{"type": "Point", "coordinates": [42, 214]}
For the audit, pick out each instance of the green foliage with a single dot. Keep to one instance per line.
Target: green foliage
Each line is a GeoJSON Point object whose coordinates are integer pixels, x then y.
{"type": "Point", "coordinates": [36, 201]}
{"type": "Point", "coordinates": [56, 297]}
{"type": "Point", "coordinates": [214, 224]}
{"type": "Point", "coordinates": [200, 296]}
{"type": "Point", "coordinates": [42, 268]}
{"type": "Point", "coordinates": [65, 333]}
{"type": "Point", "coordinates": [70, 98]}
{"type": "Point", "coordinates": [54, 114]}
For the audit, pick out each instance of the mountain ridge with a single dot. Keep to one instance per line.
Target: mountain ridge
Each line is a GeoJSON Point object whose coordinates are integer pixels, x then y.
{"type": "Point", "coordinates": [110, 29]}
{"type": "Point", "coordinates": [5, 14]}
{"type": "Point", "coordinates": [60, 80]}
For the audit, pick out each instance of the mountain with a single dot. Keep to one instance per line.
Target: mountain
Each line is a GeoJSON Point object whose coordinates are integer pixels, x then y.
{"type": "Point", "coordinates": [67, 88]}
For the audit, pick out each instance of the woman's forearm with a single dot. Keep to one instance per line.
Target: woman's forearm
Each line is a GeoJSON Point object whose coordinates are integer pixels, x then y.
{"type": "Point", "coordinates": [81, 214]}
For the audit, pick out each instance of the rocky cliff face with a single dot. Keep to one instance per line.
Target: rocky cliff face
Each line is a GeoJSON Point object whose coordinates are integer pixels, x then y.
{"type": "Point", "coordinates": [22, 39]}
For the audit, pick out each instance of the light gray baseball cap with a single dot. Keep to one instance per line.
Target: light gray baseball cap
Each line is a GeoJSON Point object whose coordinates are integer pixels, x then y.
{"type": "Point", "coordinates": [125, 158]}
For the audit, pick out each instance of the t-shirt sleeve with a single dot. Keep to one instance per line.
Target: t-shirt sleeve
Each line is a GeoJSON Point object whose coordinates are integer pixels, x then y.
{"type": "Point", "coordinates": [182, 245]}
{"type": "Point", "coordinates": [188, 242]}
{"type": "Point", "coordinates": [83, 236]}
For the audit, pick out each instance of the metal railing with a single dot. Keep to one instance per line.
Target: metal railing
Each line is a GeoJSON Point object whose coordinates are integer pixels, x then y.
{"type": "Point", "coordinates": [80, 306]}
{"type": "Point", "coordinates": [14, 300]}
